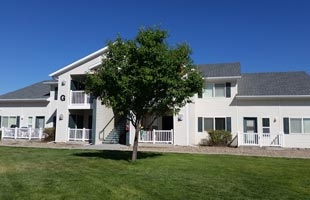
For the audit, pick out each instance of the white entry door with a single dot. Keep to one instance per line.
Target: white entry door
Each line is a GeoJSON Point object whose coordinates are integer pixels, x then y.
{"type": "Point", "coordinates": [250, 131]}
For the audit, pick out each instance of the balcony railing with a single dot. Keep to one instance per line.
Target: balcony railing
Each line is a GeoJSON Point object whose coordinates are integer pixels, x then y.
{"type": "Point", "coordinates": [82, 134]}
{"type": "Point", "coordinates": [79, 98]}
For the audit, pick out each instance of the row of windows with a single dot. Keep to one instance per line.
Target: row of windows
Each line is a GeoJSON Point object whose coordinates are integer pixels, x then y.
{"type": "Point", "coordinates": [218, 123]}
{"type": "Point", "coordinates": [14, 121]}
{"type": "Point", "coordinates": [290, 125]}
{"type": "Point", "coordinates": [296, 125]}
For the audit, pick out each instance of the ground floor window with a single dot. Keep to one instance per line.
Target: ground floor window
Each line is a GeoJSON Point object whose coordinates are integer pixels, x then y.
{"type": "Point", "coordinates": [10, 121]}
{"type": "Point", "coordinates": [30, 122]}
{"type": "Point", "coordinates": [216, 123]}
{"type": "Point", "coordinates": [266, 125]}
{"type": "Point", "coordinates": [296, 125]}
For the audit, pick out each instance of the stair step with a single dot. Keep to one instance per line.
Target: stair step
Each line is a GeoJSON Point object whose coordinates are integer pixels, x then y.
{"type": "Point", "coordinates": [113, 136]}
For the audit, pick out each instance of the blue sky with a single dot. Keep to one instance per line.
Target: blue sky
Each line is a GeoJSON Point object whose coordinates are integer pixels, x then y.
{"type": "Point", "coordinates": [38, 37]}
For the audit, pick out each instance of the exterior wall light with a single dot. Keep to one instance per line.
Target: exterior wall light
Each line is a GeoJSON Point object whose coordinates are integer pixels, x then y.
{"type": "Point", "coordinates": [63, 82]}
{"type": "Point", "coordinates": [180, 117]}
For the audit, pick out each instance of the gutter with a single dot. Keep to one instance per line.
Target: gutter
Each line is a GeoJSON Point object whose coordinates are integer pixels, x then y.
{"type": "Point", "coordinates": [222, 78]}
{"type": "Point", "coordinates": [24, 100]}
{"type": "Point", "coordinates": [273, 97]}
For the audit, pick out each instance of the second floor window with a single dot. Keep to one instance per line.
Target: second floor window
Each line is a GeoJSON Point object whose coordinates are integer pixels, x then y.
{"type": "Point", "coordinates": [216, 90]}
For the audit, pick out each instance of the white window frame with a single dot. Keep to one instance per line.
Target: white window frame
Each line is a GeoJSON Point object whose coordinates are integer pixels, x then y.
{"type": "Point", "coordinates": [213, 90]}
{"type": "Point", "coordinates": [302, 125]}
{"type": "Point", "coordinates": [30, 122]}
{"type": "Point", "coordinates": [265, 127]}
{"type": "Point", "coordinates": [307, 118]}
{"type": "Point", "coordinates": [8, 116]}
{"type": "Point", "coordinates": [214, 123]}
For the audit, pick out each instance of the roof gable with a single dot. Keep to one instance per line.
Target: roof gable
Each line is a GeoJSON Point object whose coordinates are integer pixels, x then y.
{"type": "Point", "coordinates": [79, 62]}
{"type": "Point", "coordinates": [274, 83]}
{"type": "Point", "coordinates": [220, 70]}
{"type": "Point", "coordinates": [37, 91]}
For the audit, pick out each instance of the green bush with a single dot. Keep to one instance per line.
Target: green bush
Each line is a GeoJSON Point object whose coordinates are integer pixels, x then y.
{"type": "Point", "coordinates": [49, 134]}
{"type": "Point", "coordinates": [0, 135]}
{"type": "Point", "coordinates": [219, 137]}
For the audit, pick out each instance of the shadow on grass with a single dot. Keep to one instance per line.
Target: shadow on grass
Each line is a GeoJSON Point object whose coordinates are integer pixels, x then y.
{"type": "Point", "coordinates": [117, 155]}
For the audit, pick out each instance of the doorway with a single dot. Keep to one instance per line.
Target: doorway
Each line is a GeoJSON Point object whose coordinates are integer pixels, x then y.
{"type": "Point", "coordinates": [167, 122]}
{"type": "Point", "coordinates": [250, 124]}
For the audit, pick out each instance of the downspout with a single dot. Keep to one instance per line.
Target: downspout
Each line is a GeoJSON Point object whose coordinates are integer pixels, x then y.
{"type": "Point", "coordinates": [239, 139]}
{"type": "Point", "coordinates": [187, 125]}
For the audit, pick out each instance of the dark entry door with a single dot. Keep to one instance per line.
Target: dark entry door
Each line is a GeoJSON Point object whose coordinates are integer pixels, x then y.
{"type": "Point", "coordinates": [167, 122]}
{"type": "Point", "coordinates": [250, 125]}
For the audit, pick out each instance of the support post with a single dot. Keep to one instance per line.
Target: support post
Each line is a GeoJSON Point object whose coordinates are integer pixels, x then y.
{"type": "Point", "coordinates": [239, 140]}
{"type": "Point", "coordinates": [154, 135]}
{"type": "Point", "coordinates": [29, 133]}
{"type": "Point", "coordinates": [15, 133]}
{"type": "Point", "coordinates": [83, 135]}
{"type": "Point", "coordinates": [172, 136]}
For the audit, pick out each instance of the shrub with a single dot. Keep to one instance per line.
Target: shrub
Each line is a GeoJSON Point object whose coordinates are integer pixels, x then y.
{"type": "Point", "coordinates": [49, 134]}
{"type": "Point", "coordinates": [219, 137]}
{"type": "Point", "coordinates": [0, 135]}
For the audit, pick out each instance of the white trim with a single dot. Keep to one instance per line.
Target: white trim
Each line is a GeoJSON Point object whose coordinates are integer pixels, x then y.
{"type": "Point", "coordinates": [50, 82]}
{"type": "Point", "coordinates": [22, 100]}
{"type": "Point", "coordinates": [187, 124]}
{"type": "Point", "coordinates": [222, 78]}
{"type": "Point", "coordinates": [80, 61]}
{"type": "Point", "coordinates": [95, 65]}
{"type": "Point", "coordinates": [273, 97]}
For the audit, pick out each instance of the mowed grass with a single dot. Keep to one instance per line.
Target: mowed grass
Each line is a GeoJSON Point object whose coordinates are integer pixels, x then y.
{"type": "Point", "coordinates": [32, 173]}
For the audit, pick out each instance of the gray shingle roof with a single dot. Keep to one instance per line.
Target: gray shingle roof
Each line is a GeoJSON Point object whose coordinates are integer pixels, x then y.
{"type": "Point", "coordinates": [36, 91]}
{"type": "Point", "coordinates": [220, 70]}
{"type": "Point", "coordinates": [274, 83]}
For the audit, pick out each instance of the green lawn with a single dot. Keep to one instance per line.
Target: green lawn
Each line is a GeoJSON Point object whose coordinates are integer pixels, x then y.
{"type": "Point", "coordinates": [29, 173]}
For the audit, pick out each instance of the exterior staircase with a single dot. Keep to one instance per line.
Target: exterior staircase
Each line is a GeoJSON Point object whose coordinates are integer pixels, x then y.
{"type": "Point", "coordinates": [113, 136]}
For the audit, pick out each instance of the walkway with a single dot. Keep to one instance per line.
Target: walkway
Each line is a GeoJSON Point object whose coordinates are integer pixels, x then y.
{"type": "Point", "coordinates": [247, 151]}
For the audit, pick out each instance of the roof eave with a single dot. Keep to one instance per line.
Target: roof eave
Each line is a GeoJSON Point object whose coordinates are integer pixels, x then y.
{"type": "Point", "coordinates": [272, 97]}
{"type": "Point", "coordinates": [78, 62]}
{"type": "Point", "coordinates": [223, 78]}
{"type": "Point", "coordinates": [25, 100]}
{"type": "Point", "coordinates": [51, 83]}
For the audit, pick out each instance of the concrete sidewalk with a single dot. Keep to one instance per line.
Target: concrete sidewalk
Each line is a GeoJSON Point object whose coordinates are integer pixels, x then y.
{"type": "Point", "coordinates": [245, 151]}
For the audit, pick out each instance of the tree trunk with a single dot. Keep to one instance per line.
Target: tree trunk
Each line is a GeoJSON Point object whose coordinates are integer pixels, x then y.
{"type": "Point", "coordinates": [135, 144]}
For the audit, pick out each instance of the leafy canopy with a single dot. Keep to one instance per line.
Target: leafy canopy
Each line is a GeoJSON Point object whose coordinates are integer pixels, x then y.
{"type": "Point", "coordinates": [145, 75]}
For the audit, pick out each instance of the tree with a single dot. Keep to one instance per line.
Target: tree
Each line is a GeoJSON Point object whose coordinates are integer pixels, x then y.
{"type": "Point", "coordinates": [145, 76]}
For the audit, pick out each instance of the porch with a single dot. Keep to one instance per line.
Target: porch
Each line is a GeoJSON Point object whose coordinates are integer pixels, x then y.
{"type": "Point", "coordinates": [80, 125]}
{"type": "Point", "coordinates": [22, 133]}
{"type": "Point", "coordinates": [261, 139]}
{"type": "Point", "coordinates": [82, 134]}
{"type": "Point", "coordinates": [156, 136]}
